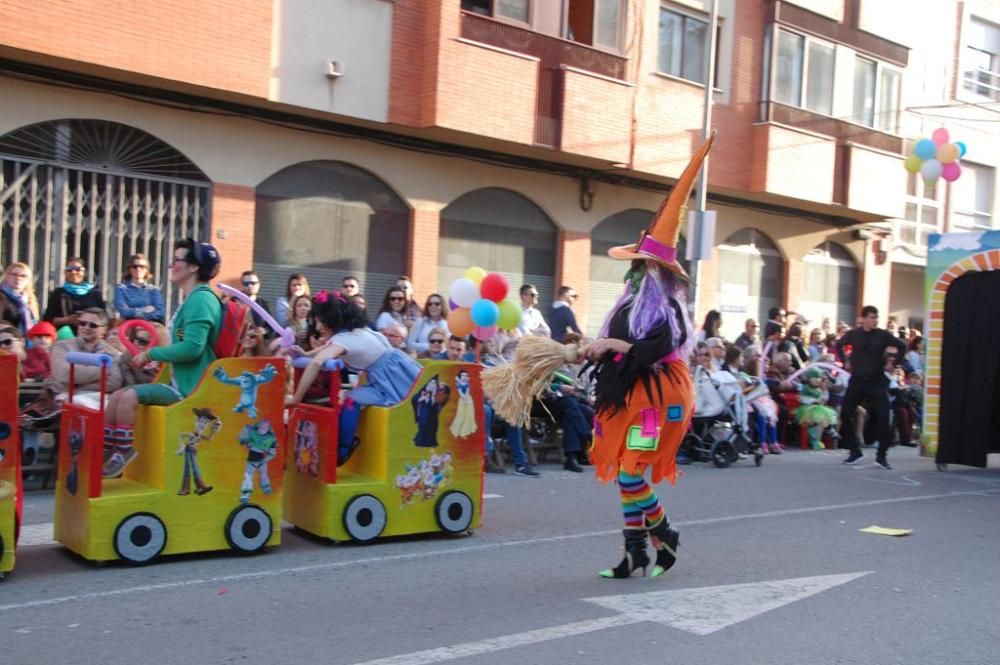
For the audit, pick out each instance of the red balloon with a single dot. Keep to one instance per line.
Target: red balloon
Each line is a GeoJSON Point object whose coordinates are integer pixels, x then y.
{"type": "Point", "coordinates": [137, 323]}
{"type": "Point", "coordinates": [494, 287]}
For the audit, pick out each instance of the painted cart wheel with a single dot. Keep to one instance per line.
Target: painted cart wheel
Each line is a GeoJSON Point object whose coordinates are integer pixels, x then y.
{"type": "Point", "coordinates": [454, 512]}
{"type": "Point", "coordinates": [140, 538]}
{"type": "Point", "coordinates": [248, 529]}
{"type": "Point", "coordinates": [364, 518]}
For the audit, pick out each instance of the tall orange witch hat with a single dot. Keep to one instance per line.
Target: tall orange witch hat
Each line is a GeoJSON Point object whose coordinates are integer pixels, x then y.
{"type": "Point", "coordinates": [658, 242]}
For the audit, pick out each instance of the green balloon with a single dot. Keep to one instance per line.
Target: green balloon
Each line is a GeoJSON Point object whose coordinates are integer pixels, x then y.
{"type": "Point", "coordinates": [65, 332]}
{"type": "Point", "coordinates": [510, 315]}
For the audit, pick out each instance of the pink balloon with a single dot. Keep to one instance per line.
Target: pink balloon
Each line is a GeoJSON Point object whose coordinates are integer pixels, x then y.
{"type": "Point", "coordinates": [951, 171]}
{"type": "Point", "coordinates": [940, 136]}
{"type": "Point", "coordinates": [484, 333]}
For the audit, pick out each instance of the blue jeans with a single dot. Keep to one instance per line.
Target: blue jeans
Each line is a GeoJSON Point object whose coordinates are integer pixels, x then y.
{"type": "Point", "coordinates": [514, 437]}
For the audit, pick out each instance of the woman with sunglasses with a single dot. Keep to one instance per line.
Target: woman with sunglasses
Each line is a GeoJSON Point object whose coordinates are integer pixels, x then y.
{"type": "Point", "coordinates": [393, 309]}
{"type": "Point", "coordinates": [136, 297]}
{"type": "Point", "coordinates": [75, 295]}
{"type": "Point", "coordinates": [252, 344]}
{"type": "Point", "coordinates": [142, 340]}
{"type": "Point", "coordinates": [436, 341]}
{"type": "Point", "coordinates": [435, 317]}
{"type": "Point", "coordinates": [297, 287]}
{"type": "Point", "coordinates": [18, 305]}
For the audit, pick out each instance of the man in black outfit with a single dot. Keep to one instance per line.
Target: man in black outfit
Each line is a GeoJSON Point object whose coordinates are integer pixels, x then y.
{"type": "Point", "coordinates": [866, 363]}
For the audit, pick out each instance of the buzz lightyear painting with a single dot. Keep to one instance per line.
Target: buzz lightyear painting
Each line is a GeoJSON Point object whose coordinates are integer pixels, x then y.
{"type": "Point", "coordinates": [262, 446]}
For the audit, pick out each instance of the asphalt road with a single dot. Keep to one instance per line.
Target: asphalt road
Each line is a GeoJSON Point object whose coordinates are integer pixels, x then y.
{"type": "Point", "coordinates": [772, 569]}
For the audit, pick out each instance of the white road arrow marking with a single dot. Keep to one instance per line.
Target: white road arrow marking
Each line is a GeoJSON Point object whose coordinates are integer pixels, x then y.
{"type": "Point", "coordinates": [699, 611]}
{"type": "Point", "coordinates": [708, 609]}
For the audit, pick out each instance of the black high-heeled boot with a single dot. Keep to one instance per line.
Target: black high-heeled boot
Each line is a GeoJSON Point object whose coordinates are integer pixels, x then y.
{"type": "Point", "coordinates": [635, 556]}
{"type": "Point", "coordinates": [666, 541]}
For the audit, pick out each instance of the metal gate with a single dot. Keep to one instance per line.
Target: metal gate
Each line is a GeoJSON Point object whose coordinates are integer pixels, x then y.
{"type": "Point", "coordinates": [55, 209]}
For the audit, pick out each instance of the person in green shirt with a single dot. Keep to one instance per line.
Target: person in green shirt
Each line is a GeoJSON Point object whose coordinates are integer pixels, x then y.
{"type": "Point", "coordinates": [193, 333]}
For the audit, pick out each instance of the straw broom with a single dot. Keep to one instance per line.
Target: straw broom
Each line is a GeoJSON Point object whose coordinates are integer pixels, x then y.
{"type": "Point", "coordinates": [512, 387]}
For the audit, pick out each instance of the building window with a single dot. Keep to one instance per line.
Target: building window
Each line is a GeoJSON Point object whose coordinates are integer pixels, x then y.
{"type": "Point", "coordinates": [516, 10]}
{"type": "Point", "coordinates": [876, 95]}
{"type": "Point", "coordinates": [682, 46]}
{"type": "Point", "coordinates": [751, 274]}
{"type": "Point", "coordinates": [595, 22]}
{"type": "Point", "coordinates": [923, 216]}
{"type": "Point", "coordinates": [981, 59]}
{"type": "Point", "coordinates": [804, 73]}
{"type": "Point", "coordinates": [972, 197]}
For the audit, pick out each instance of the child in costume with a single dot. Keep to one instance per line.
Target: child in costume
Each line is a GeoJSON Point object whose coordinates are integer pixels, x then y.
{"type": "Point", "coordinates": [389, 372]}
{"type": "Point", "coordinates": [813, 412]}
{"type": "Point", "coordinates": [194, 330]}
{"type": "Point", "coordinates": [644, 397]}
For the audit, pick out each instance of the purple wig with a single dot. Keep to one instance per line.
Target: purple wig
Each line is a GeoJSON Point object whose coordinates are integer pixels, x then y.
{"type": "Point", "coordinates": [651, 308]}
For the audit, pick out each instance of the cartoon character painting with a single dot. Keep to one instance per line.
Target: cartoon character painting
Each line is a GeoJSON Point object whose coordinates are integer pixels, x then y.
{"type": "Point", "coordinates": [262, 446]}
{"type": "Point", "coordinates": [464, 423]}
{"type": "Point", "coordinates": [306, 451]}
{"type": "Point", "coordinates": [422, 482]}
{"type": "Point", "coordinates": [249, 384]}
{"type": "Point", "coordinates": [206, 426]}
{"type": "Point", "coordinates": [76, 436]}
{"type": "Point", "coordinates": [427, 405]}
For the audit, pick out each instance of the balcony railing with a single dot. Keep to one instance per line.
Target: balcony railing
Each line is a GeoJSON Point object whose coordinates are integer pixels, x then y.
{"type": "Point", "coordinates": [553, 54]}
{"type": "Point", "coordinates": [839, 129]}
{"type": "Point", "coordinates": [982, 82]}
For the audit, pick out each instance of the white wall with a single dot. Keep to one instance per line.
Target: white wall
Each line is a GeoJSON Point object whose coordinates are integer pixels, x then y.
{"type": "Point", "coordinates": [307, 35]}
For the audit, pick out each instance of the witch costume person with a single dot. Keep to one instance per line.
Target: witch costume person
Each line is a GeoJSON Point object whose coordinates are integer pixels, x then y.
{"type": "Point", "coordinates": [644, 395]}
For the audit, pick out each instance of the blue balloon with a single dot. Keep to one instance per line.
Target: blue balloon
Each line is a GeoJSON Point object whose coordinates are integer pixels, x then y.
{"type": "Point", "coordinates": [925, 149]}
{"type": "Point", "coordinates": [485, 313]}
{"type": "Point", "coordinates": [961, 149]}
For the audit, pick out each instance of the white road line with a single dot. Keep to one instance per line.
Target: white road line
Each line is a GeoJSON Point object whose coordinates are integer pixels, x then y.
{"type": "Point", "coordinates": [334, 565]}
{"type": "Point", "coordinates": [493, 496]}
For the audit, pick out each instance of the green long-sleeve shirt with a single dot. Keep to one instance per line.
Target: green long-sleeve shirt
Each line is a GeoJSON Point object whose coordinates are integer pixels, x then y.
{"type": "Point", "coordinates": [193, 333]}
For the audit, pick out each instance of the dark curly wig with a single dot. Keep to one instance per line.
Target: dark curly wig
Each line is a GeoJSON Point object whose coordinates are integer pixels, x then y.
{"type": "Point", "coordinates": [337, 313]}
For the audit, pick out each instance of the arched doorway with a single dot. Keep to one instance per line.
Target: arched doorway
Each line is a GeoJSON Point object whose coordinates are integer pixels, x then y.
{"type": "Point", "coordinates": [830, 285]}
{"type": "Point", "coordinates": [607, 274]}
{"type": "Point", "coordinates": [499, 231]}
{"type": "Point", "coordinates": [99, 190]}
{"type": "Point", "coordinates": [751, 279]}
{"type": "Point", "coordinates": [328, 220]}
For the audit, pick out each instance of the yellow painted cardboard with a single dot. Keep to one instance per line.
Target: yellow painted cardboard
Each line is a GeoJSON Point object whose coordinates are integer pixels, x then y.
{"type": "Point", "coordinates": [10, 465]}
{"type": "Point", "coordinates": [245, 397]}
{"type": "Point", "coordinates": [410, 456]}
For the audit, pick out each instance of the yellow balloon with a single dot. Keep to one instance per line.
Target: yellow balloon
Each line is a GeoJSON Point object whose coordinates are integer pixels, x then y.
{"type": "Point", "coordinates": [948, 153]}
{"type": "Point", "coordinates": [913, 164]}
{"type": "Point", "coordinates": [475, 274]}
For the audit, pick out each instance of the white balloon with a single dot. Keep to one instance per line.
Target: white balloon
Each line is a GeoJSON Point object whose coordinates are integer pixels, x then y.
{"type": "Point", "coordinates": [931, 170]}
{"type": "Point", "coordinates": [464, 292]}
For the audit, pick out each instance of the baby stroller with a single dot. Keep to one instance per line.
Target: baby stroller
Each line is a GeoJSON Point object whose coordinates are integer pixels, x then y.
{"type": "Point", "coordinates": [719, 429]}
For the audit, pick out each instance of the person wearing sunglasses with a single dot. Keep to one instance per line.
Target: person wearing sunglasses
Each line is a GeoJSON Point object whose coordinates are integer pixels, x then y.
{"type": "Point", "coordinates": [18, 304]}
{"type": "Point", "coordinates": [142, 340]}
{"type": "Point", "coordinates": [136, 296]}
{"type": "Point", "coordinates": [193, 332]}
{"type": "Point", "coordinates": [92, 328]}
{"type": "Point", "coordinates": [75, 295]}
{"type": "Point", "coordinates": [435, 317]}
{"type": "Point", "coordinates": [436, 349]}
{"type": "Point", "coordinates": [297, 286]}
{"type": "Point", "coordinates": [251, 287]}
{"type": "Point", "coordinates": [393, 309]}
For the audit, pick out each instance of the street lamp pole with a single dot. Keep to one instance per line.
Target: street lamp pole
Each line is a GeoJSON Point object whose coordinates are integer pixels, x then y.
{"type": "Point", "coordinates": [701, 188]}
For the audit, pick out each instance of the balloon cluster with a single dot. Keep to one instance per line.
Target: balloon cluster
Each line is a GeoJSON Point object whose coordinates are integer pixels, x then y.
{"type": "Point", "coordinates": [478, 306]}
{"type": "Point", "coordinates": [936, 157]}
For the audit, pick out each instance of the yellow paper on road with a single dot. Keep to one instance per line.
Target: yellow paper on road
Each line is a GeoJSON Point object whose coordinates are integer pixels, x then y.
{"type": "Point", "coordinates": [886, 531]}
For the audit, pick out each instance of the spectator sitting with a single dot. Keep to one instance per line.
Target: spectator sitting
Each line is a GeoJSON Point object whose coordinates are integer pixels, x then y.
{"type": "Point", "coordinates": [748, 336]}
{"type": "Point", "coordinates": [359, 301]}
{"type": "Point", "coordinates": [18, 305]}
{"type": "Point", "coordinates": [716, 352]}
{"type": "Point", "coordinates": [435, 318]}
{"type": "Point", "coordinates": [37, 362]}
{"type": "Point", "coordinates": [914, 359]}
{"type": "Point", "coordinates": [350, 287]}
{"type": "Point", "coordinates": [562, 320]}
{"type": "Point", "coordinates": [830, 345]}
{"type": "Point", "coordinates": [794, 347]}
{"type": "Point", "coordinates": [396, 334]}
{"type": "Point", "coordinates": [774, 335]}
{"type": "Point", "coordinates": [436, 345]}
{"type": "Point", "coordinates": [411, 312]}
{"type": "Point", "coordinates": [299, 322]}
{"type": "Point", "coordinates": [75, 295]}
{"type": "Point", "coordinates": [253, 343]}
{"type": "Point", "coordinates": [135, 296]}
{"type": "Point", "coordinates": [532, 321]}
{"type": "Point", "coordinates": [712, 326]}
{"type": "Point", "coordinates": [297, 286]}
{"type": "Point", "coordinates": [92, 324]}
{"type": "Point", "coordinates": [779, 371]}
{"type": "Point", "coordinates": [393, 306]}
{"type": "Point", "coordinates": [251, 287]}
{"type": "Point", "coordinates": [816, 346]}
{"type": "Point", "coordinates": [143, 340]}
{"type": "Point", "coordinates": [455, 350]}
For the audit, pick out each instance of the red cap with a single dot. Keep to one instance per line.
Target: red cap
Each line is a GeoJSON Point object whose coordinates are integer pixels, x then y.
{"type": "Point", "coordinates": [42, 329]}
